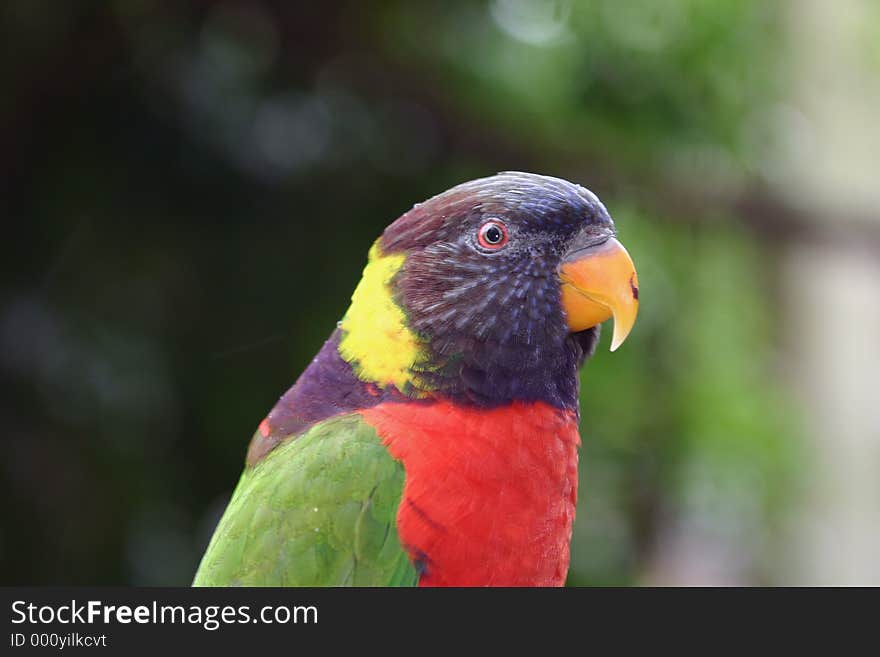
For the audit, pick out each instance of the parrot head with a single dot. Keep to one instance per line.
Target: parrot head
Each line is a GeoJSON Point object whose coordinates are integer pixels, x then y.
{"type": "Point", "coordinates": [491, 292]}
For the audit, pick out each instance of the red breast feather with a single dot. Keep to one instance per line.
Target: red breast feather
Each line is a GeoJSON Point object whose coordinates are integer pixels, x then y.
{"type": "Point", "coordinates": [489, 498]}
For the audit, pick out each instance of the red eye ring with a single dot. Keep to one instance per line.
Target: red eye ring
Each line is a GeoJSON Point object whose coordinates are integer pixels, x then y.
{"type": "Point", "coordinates": [492, 235]}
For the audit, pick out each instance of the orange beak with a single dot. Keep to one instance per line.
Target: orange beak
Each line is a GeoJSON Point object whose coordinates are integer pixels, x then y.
{"type": "Point", "coordinates": [598, 283]}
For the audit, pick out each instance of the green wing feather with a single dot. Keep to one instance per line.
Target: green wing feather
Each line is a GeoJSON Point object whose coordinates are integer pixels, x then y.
{"type": "Point", "coordinates": [319, 510]}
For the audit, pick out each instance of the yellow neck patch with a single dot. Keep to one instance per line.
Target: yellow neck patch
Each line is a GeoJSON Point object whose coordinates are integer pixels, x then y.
{"type": "Point", "coordinates": [375, 338]}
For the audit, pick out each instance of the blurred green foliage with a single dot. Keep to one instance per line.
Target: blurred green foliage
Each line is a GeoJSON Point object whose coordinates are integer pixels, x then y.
{"type": "Point", "coordinates": [635, 82]}
{"type": "Point", "coordinates": [191, 190]}
{"type": "Point", "coordinates": [686, 423]}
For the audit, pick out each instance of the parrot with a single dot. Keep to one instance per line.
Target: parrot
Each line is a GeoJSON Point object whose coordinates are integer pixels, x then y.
{"type": "Point", "coordinates": [433, 440]}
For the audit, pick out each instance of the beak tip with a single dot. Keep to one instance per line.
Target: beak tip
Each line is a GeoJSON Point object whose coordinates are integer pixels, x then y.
{"type": "Point", "coordinates": [622, 329]}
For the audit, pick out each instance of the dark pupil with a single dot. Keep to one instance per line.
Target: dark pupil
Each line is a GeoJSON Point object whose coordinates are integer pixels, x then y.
{"type": "Point", "coordinates": [493, 235]}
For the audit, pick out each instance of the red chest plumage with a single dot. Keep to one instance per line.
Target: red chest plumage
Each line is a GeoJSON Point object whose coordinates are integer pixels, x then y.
{"type": "Point", "coordinates": [489, 497]}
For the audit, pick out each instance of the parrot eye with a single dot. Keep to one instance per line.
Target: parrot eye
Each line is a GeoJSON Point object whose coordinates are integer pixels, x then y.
{"type": "Point", "coordinates": [493, 235]}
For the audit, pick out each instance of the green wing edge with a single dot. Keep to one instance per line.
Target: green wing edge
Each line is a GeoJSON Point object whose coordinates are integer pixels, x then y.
{"type": "Point", "coordinates": [319, 510]}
